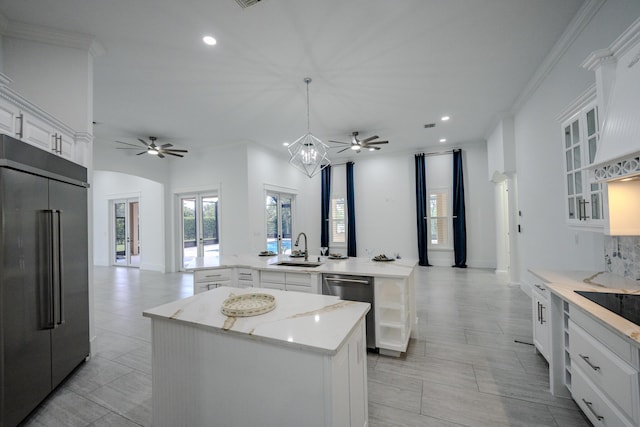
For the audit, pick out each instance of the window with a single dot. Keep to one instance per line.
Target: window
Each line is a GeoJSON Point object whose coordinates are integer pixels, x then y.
{"type": "Point", "coordinates": [338, 220]}
{"type": "Point", "coordinates": [580, 142]}
{"type": "Point", "coordinates": [440, 221]}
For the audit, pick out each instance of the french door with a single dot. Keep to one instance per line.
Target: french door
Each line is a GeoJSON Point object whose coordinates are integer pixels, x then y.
{"type": "Point", "coordinates": [279, 219]}
{"type": "Point", "coordinates": [125, 248]}
{"type": "Point", "coordinates": [200, 232]}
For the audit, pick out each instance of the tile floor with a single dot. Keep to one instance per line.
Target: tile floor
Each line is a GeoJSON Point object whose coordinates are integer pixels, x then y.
{"type": "Point", "coordinates": [464, 368]}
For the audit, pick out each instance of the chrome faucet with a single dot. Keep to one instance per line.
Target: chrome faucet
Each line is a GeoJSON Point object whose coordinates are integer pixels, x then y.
{"type": "Point", "coordinates": [306, 253]}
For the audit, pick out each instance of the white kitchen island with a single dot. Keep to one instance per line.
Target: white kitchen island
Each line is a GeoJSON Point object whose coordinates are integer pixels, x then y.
{"type": "Point", "coordinates": [304, 363]}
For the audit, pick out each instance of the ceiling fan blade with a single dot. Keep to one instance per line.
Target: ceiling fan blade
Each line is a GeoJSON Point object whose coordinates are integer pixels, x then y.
{"type": "Point", "coordinates": [376, 142]}
{"type": "Point", "coordinates": [174, 150]}
{"type": "Point", "coordinates": [371, 138]}
{"type": "Point", "coordinates": [339, 142]}
{"type": "Point", "coordinates": [144, 142]}
{"type": "Point", "coordinates": [163, 146]}
{"type": "Point", "coordinates": [344, 149]}
{"type": "Point", "coordinates": [126, 143]}
{"type": "Point", "coordinates": [127, 148]}
{"type": "Point", "coordinates": [172, 154]}
{"type": "Point", "coordinates": [144, 152]}
{"type": "Point", "coordinates": [160, 155]}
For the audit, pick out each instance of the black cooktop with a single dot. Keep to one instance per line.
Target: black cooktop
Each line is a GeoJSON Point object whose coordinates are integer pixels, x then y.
{"type": "Point", "coordinates": [625, 305]}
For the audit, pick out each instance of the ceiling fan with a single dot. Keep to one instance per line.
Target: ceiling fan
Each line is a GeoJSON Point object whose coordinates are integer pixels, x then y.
{"type": "Point", "coordinates": [152, 148]}
{"type": "Point", "coordinates": [357, 144]}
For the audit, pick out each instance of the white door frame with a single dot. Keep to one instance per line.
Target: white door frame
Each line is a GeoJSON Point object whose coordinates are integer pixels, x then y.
{"type": "Point", "coordinates": [127, 200]}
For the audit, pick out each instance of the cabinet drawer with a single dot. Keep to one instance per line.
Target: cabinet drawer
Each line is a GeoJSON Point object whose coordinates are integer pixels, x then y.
{"type": "Point", "coordinates": [299, 288]}
{"type": "Point", "coordinates": [245, 274]}
{"type": "Point", "coordinates": [212, 275]}
{"type": "Point", "coordinates": [272, 277]}
{"type": "Point", "coordinates": [204, 286]}
{"type": "Point", "coordinates": [594, 404]}
{"type": "Point", "coordinates": [614, 342]}
{"type": "Point", "coordinates": [612, 375]}
{"type": "Point", "coordinates": [303, 279]}
{"type": "Point", "coordinates": [272, 285]}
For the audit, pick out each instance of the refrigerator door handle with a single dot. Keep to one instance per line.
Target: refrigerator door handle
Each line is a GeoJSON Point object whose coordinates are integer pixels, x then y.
{"type": "Point", "coordinates": [48, 270]}
{"type": "Point", "coordinates": [59, 286]}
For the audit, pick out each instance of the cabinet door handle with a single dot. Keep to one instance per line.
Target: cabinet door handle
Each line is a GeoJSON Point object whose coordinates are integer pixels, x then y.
{"type": "Point", "coordinates": [59, 144]}
{"type": "Point", "coordinates": [598, 417]}
{"type": "Point", "coordinates": [586, 359]}
{"type": "Point", "coordinates": [20, 132]}
{"type": "Point", "coordinates": [537, 302]}
{"type": "Point", "coordinates": [542, 321]}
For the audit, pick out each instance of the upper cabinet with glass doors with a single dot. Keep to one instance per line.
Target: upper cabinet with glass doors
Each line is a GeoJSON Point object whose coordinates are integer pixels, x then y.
{"type": "Point", "coordinates": [580, 135]}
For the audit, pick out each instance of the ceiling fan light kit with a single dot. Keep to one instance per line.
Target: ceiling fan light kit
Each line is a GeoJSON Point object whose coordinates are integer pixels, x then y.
{"type": "Point", "coordinates": [308, 153]}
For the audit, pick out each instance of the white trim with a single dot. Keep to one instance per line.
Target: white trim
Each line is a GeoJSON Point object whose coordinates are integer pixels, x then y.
{"type": "Point", "coordinates": [280, 189]}
{"type": "Point", "coordinates": [573, 30]}
{"type": "Point", "coordinates": [577, 105]}
{"type": "Point", "coordinates": [41, 34]}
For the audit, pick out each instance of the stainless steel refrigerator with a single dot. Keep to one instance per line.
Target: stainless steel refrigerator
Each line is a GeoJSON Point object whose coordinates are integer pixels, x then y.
{"type": "Point", "coordinates": [44, 318]}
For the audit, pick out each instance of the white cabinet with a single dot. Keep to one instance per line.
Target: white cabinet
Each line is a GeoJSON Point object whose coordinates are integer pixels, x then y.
{"type": "Point", "coordinates": [221, 383]}
{"type": "Point", "coordinates": [580, 139]}
{"type": "Point", "coordinates": [290, 281]}
{"type": "Point", "coordinates": [27, 122]}
{"type": "Point", "coordinates": [540, 301]}
{"type": "Point", "coordinates": [204, 280]}
{"type": "Point", "coordinates": [8, 117]}
{"type": "Point", "coordinates": [605, 377]}
{"type": "Point", "coordinates": [394, 313]}
{"type": "Point", "coordinates": [245, 277]}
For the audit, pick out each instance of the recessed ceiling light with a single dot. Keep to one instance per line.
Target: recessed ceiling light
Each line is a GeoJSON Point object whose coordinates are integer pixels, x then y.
{"type": "Point", "coordinates": [209, 40]}
{"type": "Point", "coordinates": [286, 144]}
{"type": "Point", "coordinates": [443, 139]}
{"type": "Point", "coordinates": [445, 118]}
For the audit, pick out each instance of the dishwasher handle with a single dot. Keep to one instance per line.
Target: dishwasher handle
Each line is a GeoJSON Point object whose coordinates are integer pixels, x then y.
{"type": "Point", "coordinates": [336, 279]}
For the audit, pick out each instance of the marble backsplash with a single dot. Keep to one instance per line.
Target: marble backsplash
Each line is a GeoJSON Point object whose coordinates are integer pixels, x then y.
{"type": "Point", "coordinates": [622, 255]}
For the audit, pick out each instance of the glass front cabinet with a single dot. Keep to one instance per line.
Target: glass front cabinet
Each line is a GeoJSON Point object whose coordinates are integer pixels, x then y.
{"type": "Point", "coordinates": [580, 136]}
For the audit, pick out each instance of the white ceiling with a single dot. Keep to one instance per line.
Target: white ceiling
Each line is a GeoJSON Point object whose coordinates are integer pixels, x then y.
{"type": "Point", "coordinates": [378, 66]}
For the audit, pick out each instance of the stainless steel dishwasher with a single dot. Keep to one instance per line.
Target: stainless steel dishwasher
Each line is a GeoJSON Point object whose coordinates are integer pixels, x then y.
{"type": "Point", "coordinates": [353, 288]}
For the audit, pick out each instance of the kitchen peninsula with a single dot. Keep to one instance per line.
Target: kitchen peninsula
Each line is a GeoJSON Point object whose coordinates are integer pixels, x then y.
{"type": "Point", "coordinates": [302, 363]}
{"type": "Point", "coordinates": [394, 295]}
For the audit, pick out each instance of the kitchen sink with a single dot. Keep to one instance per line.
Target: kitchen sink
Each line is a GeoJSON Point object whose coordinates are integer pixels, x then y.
{"type": "Point", "coordinates": [298, 263]}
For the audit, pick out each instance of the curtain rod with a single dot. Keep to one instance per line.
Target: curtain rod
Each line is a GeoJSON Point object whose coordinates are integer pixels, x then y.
{"type": "Point", "coordinates": [440, 153]}
{"type": "Point", "coordinates": [341, 163]}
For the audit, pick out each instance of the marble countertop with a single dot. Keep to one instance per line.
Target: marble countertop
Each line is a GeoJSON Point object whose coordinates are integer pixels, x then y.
{"type": "Point", "coordinates": [564, 283]}
{"type": "Point", "coordinates": [318, 323]}
{"type": "Point", "coordinates": [399, 268]}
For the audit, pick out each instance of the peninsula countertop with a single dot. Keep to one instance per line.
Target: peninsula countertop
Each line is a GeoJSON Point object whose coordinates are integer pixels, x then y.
{"type": "Point", "coordinates": [565, 283]}
{"type": "Point", "coordinates": [318, 323]}
{"type": "Point", "coordinates": [398, 268]}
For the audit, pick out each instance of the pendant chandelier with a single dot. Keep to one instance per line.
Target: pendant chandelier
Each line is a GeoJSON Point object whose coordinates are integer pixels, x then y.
{"type": "Point", "coordinates": [308, 153]}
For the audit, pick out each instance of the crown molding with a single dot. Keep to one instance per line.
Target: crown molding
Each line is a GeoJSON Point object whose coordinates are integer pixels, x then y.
{"type": "Point", "coordinates": [38, 33]}
{"type": "Point", "coordinates": [573, 30]}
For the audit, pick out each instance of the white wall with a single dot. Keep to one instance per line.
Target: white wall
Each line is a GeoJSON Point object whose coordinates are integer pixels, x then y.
{"type": "Point", "coordinates": [385, 205]}
{"type": "Point", "coordinates": [58, 79]}
{"type": "Point", "coordinates": [109, 186]}
{"type": "Point", "coordinates": [546, 241]}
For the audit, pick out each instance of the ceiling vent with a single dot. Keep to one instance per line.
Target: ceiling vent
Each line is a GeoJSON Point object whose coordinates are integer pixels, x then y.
{"type": "Point", "coordinates": [246, 3]}
{"type": "Point", "coordinates": [429, 125]}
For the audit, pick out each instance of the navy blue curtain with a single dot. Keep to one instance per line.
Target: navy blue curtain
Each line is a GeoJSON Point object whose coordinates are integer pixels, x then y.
{"type": "Point", "coordinates": [459, 224]}
{"type": "Point", "coordinates": [421, 210]}
{"type": "Point", "coordinates": [325, 205]}
{"type": "Point", "coordinates": [351, 212]}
